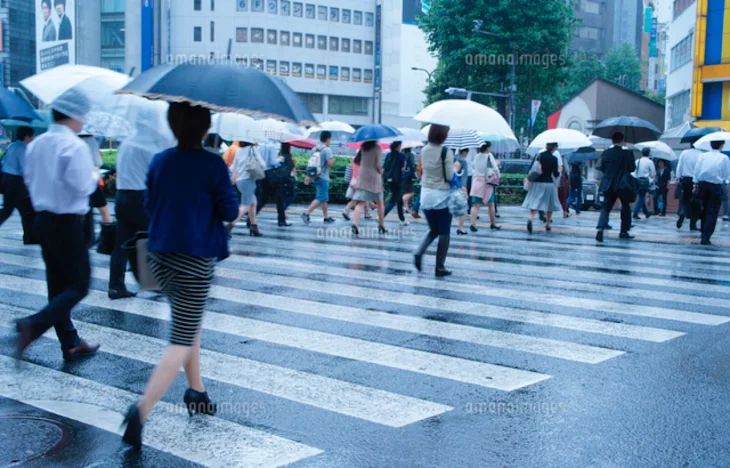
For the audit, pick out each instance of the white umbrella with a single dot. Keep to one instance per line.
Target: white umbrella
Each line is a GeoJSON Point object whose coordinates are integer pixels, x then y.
{"type": "Point", "coordinates": [500, 143]}
{"type": "Point", "coordinates": [411, 138]}
{"type": "Point", "coordinates": [277, 130]}
{"type": "Point", "coordinates": [333, 126]}
{"type": "Point", "coordinates": [466, 114]}
{"type": "Point", "coordinates": [659, 150]}
{"type": "Point", "coordinates": [86, 94]}
{"type": "Point", "coordinates": [237, 127]}
{"type": "Point", "coordinates": [461, 138]}
{"type": "Point", "coordinates": [704, 142]}
{"type": "Point", "coordinates": [566, 139]}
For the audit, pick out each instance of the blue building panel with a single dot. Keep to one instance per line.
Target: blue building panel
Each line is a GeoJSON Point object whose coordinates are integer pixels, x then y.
{"type": "Point", "coordinates": [712, 101]}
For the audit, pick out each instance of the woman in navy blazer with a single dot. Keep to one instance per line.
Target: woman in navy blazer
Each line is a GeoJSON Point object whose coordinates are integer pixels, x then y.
{"type": "Point", "coordinates": [189, 198]}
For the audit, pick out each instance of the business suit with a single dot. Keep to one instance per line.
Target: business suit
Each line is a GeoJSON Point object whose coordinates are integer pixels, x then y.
{"type": "Point", "coordinates": [616, 162]}
{"type": "Point", "coordinates": [49, 31]}
{"type": "Point", "coordinates": [662, 191]}
{"type": "Point", "coordinates": [65, 32]}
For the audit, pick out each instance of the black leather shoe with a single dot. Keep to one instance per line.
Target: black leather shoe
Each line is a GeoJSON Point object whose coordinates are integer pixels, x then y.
{"type": "Point", "coordinates": [706, 242]}
{"type": "Point", "coordinates": [82, 351]}
{"type": "Point", "coordinates": [114, 294]}
{"type": "Point", "coordinates": [133, 431]}
{"type": "Point", "coordinates": [285, 224]}
{"type": "Point", "coordinates": [626, 236]}
{"type": "Point", "coordinates": [599, 235]}
{"type": "Point", "coordinates": [200, 403]}
{"type": "Point", "coordinates": [529, 227]}
{"type": "Point", "coordinates": [473, 229]}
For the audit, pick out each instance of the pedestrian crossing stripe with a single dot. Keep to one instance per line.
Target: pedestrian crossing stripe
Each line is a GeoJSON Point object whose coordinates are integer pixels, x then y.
{"type": "Point", "coordinates": [208, 441]}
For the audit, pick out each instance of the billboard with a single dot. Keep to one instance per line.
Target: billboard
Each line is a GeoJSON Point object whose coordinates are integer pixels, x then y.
{"type": "Point", "coordinates": [55, 28]}
{"type": "Point", "coordinates": [413, 8]}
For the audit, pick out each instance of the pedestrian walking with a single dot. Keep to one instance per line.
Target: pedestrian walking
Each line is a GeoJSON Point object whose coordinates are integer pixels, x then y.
{"type": "Point", "coordinates": [663, 175]}
{"type": "Point", "coordinates": [543, 194]}
{"type": "Point", "coordinates": [60, 176]}
{"type": "Point", "coordinates": [248, 167]}
{"type": "Point", "coordinates": [564, 189]}
{"type": "Point", "coordinates": [685, 176]}
{"type": "Point", "coordinates": [575, 198]}
{"type": "Point", "coordinates": [409, 175]}
{"type": "Point", "coordinates": [485, 179]}
{"type": "Point", "coordinates": [230, 154]}
{"type": "Point", "coordinates": [393, 173]}
{"type": "Point", "coordinates": [368, 187]}
{"type": "Point", "coordinates": [133, 161]}
{"type": "Point", "coordinates": [318, 172]}
{"type": "Point", "coordinates": [437, 161]}
{"type": "Point", "coordinates": [711, 172]}
{"type": "Point", "coordinates": [617, 163]}
{"type": "Point", "coordinates": [98, 201]}
{"type": "Point", "coordinates": [463, 174]}
{"type": "Point", "coordinates": [351, 175]}
{"type": "Point", "coordinates": [645, 173]}
{"type": "Point", "coordinates": [16, 196]}
{"type": "Point", "coordinates": [189, 198]}
{"type": "Point", "coordinates": [278, 169]}
{"type": "Point", "coordinates": [725, 202]}
{"type": "Point", "coordinates": [417, 200]}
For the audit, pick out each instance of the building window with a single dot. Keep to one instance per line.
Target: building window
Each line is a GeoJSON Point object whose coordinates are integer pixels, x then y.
{"type": "Point", "coordinates": [297, 39]}
{"type": "Point", "coordinates": [315, 102]}
{"type": "Point", "coordinates": [271, 67]}
{"type": "Point", "coordinates": [284, 38]}
{"type": "Point", "coordinates": [345, 45]}
{"type": "Point", "coordinates": [298, 9]}
{"type": "Point", "coordinates": [112, 34]}
{"type": "Point", "coordinates": [309, 41]}
{"type": "Point", "coordinates": [348, 105]}
{"type": "Point", "coordinates": [257, 5]}
{"type": "Point", "coordinates": [335, 15]}
{"type": "Point", "coordinates": [112, 6]}
{"type": "Point", "coordinates": [212, 5]}
{"type": "Point", "coordinates": [241, 34]}
{"type": "Point", "coordinates": [681, 5]}
{"type": "Point", "coordinates": [369, 47]}
{"type": "Point", "coordinates": [345, 74]}
{"type": "Point", "coordinates": [321, 72]}
{"type": "Point", "coordinates": [271, 36]}
{"type": "Point", "coordinates": [334, 44]}
{"type": "Point", "coordinates": [285, 8]}
{"type": "Point", "coordinates": [589, 6]}
{"type": "Point", "coordinates": [369, 19]}
{"type": "Point", "coordinates": [357, 46]}
{"type": "Point", "coordinates": [322, 42]}
{"type": "Point", "coordinates": [322, 13]}
{"type": "Point", "coordinates": [309, 72]}
{"type": "Point", "coordinates": [197, 5]}
{"type": "Point", "coordinates": [356, 75]}
{"type": "Point", "coordinates": [257, 35]}
{"type": "Point", "coordinates": [310, 11]}
{"type": "Point", "coordinates": [242, 5]}
{"type": "Point", "coordinates": [212, 31]}
{"type": "Point", "coordinates": [587, 32]}
{"type": "Point", "coordinates": [334, 73]}
{"type": "Point", "coordinates": [113, 63]}
{"type": "Point", "coordinates": [296, 70]}
{"type": "Point", "coordinates": [346, 16]}
{"type": "Point", "coordinates": [357, 17]}
{"type": "Point", "coordinates": [368, 76]}
{"type": "Point", "coordinates": [198, 34]}
{"type": "Point", "coordinates": [682, 52]}
{"type": "Point", "coordinates": [678, 108]}
{"type": "Point", "coordinates": [271, 6]}
{"type": "Point", "coordinates": [283, 68]}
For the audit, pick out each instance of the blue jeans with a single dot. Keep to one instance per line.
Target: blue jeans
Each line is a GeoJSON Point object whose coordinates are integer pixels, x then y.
{"type": "Point", "coordinates": [417, 202]}
{"type": "Point", "coordinates": [641, 204]}
{"type": "Point", "coordinates": [576, 196]}
{"type": "Point", "coordinates": [323, 190]}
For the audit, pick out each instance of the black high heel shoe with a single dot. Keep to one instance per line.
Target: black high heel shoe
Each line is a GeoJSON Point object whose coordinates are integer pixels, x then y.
{"type": "Point", "coordinates": [355, 231]}
{"type": "Point", "coordinates": [133, 433]}
{"type": "Point", "coordinates": [382, 230]}
{"type": "Point", "coordinates": [199, 403]}
{"type": "Point", "coordinates": [494, 227]}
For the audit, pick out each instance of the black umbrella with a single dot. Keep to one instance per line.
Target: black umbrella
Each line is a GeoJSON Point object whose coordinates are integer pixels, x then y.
{"type": "Point", "coordinates": [694, 134]}
{"type": "Point", "coordinates": [634, 129]}
{"type": "Point", "coordinates": [223, 88]}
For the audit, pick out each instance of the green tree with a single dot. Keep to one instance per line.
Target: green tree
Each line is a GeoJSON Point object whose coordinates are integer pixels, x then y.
{"type": "Point", "coordinates": [585, 67]}
{"type": "Point", "coordinates": [623, 66]}
{"type": "Point", "coordinates": [538, 32]}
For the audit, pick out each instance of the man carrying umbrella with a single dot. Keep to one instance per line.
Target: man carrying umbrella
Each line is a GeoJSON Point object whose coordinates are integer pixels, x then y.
{"type": "Point", "coordinates": [711, 172]}
{"type": "Point", "coordinates": [16, 195]}
{"type": "Point", "coordinates": [60, 176]}
{"type": "Point", "coordinates": [617, 164]}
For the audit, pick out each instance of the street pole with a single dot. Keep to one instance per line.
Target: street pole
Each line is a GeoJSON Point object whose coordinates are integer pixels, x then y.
{"type": "Point", "coordinates": [512, 93]}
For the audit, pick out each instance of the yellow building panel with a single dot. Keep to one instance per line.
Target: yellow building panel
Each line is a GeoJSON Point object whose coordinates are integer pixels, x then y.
{"type": "Point", "coordinates": [699, 58]}
{"type": "Point", "coordinates": [716, 72]}
{"type": "Point", "coordinates": [723, 124]}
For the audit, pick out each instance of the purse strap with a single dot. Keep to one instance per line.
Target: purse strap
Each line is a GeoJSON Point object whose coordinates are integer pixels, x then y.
{"type": "Point", "coordinates": [444, 151]}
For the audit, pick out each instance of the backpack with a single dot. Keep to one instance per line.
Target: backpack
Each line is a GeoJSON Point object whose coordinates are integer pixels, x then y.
{"type": "Point", "coordinates": [314, 166]}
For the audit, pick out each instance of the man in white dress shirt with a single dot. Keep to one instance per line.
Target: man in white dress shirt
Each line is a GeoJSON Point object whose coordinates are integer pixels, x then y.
{"type": "Point", "coordinates": [60, 175]}
{"type": "Point", "coordinates": [685, 176]}
{"type": "Point", "coordinates": [645, 173]}
{"type": "Point", "coordinates": [711, 171]}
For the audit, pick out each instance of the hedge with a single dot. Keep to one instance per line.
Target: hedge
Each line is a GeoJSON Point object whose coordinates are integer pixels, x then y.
{"type": "Point", "coordinates": [510, 193]}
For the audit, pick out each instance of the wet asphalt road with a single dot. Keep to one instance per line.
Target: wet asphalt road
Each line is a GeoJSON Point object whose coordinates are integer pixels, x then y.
{"type": "Point", "coordinates": [325, 351]}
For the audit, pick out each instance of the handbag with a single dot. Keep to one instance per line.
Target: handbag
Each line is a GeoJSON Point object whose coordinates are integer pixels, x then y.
{"type": "Point", "coordinates": [533, 175]}
{"type": "Point", "coordinates": [253, 166]}
{"type": "Point", "coordinates": [458, 204]}
{"type": "Point", "coordinates": [137, 252]}
{"type": "Point", "coordinates": [107, 239]}
{"type": "Point", "coordinates": [492, 177]}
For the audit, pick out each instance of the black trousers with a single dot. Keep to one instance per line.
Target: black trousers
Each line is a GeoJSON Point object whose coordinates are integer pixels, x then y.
{"type": "Point", "coordinates": [711, 197]}
{"type": "Point", "coordinates": [661, 192]}
{"type": "Point", "coordinates": [17, 198]}
{"type": "Point", "coordinates": [131, 219]}
{"type": "Point", "coordinates": [468, 193]}
{"type": "Point", "coordinates": [272, 190]}
{"type": "Point", "coordinates": [610, 200]}
{"type": "Point", "coordinates": [396, 199]}
{"type": "Point", "coordinates": [64, 246]}
{"type": "Point", "coordinates": [687, 192]}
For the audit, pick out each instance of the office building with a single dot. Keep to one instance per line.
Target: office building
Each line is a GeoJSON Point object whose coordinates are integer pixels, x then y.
{"type": "Point", "coordinates": [594, 32]}
{"type": "Point", "coordinates": [17, 42]}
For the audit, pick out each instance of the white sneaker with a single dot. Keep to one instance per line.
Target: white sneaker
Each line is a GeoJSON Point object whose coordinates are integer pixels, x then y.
{"type": "Point", "coordinates": [405, 223]}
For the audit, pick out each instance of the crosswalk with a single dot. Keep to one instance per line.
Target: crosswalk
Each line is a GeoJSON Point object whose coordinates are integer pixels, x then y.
{"type": "Point", "coordinates": [313, 325]}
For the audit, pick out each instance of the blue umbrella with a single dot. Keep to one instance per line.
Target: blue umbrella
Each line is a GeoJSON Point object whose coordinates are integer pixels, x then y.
{"type": "Point", "coordinates": [223, 88]}
{"type": "Point", "coordinates": [14, 107]}
{"type": "Point", "coordinates": [374, 133]}
{"type": "Point", "coordinates": [694, 134]}
{"type": "Point", "coordinates": [634, 129]}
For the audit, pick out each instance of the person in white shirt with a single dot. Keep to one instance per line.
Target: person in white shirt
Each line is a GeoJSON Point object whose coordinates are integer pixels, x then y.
{"type": "Point", "coordinates": [711, 171]}
{"type": "Point", "coordinates": [60, 176]}
{"type": "Point", "coordinates": [645, 172]}
{"type": "Point", "coordinates": [685, 174]}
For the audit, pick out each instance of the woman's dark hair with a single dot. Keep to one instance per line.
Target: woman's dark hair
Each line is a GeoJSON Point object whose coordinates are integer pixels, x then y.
{"type": "Point", "coordinates": [24, 132]}
{"type": "Point", "coordinates": [662, 162]}
{"type": "Point", "coordinates": [485, 147]}
{"type": "Point", "coordinates": [285, 148]}
{"type": "Point", "coordinates": [188, 123]}
{"type": "Point", "coordinates": [395, 146]}
{"type": "Point", "coordinates": [59, 116]}
{"type": "Point", "coordinates": [407, 150]}
{"type": "Point", "coordinates": [368, 145]}
{"type": "Point", "coordinates": [438, 134]}
{"type": "Point", "coordinates": [358, 158]}
{"type": "Point", "coordinates": [244, 144]}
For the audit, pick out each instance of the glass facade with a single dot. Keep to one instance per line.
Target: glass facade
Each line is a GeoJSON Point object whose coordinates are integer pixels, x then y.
{"type": "Point", "coordinates": [113, 6]}
{"type": "Point", "coordinates": [113, 34]}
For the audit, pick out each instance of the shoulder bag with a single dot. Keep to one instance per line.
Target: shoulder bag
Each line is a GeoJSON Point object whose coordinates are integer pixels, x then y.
{"type": "Point", "coordinates": [492, 177]}
{"type": "Point", "coordinates": [458, 204]}
{"type": "Point", "coordinates": [533, 175]}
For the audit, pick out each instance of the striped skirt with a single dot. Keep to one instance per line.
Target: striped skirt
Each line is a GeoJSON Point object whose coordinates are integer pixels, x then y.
{"type": "Point", "coordinates": [186, 281]}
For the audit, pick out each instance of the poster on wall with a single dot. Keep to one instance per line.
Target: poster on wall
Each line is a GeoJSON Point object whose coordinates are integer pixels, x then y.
{"type": "Point", "coordinates": [55, 33]}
